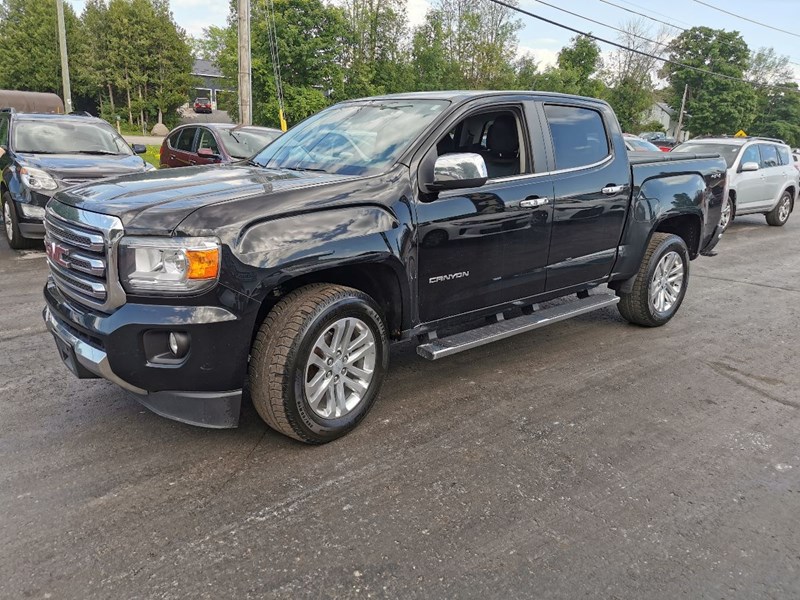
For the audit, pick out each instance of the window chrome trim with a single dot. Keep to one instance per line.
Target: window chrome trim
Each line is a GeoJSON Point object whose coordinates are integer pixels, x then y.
{"type": "Point", "coordinates": [607, 159]}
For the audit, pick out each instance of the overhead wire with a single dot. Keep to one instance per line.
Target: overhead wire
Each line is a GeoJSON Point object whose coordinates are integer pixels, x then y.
{"type": "Point", "coordinates": [636, 51]}
{"type": "Point", "coordinates": [749, 20]}
{"type": "Point", "coordinates": [272, 38]}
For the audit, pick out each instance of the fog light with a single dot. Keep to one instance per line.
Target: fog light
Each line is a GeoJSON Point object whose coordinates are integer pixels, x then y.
{"type": "Point", "coordinates": [178, 344]}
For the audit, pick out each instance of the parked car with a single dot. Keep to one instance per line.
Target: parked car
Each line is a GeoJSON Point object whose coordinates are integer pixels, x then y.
{"type": "Point", "coordinates": [202, 105]}
{"type": "Point", "coordinates": [212, 143]}
{"type": "Point", "coordinates": [762, 176]}
{"type": "Point", "coordinates": [796, 159]}
{"type": "Point", "coordinates": [297, 268]}
{"type": "Point", "coordinates": [633, 143]}
{"type": "Point", "coordinates": [664, 142]}
{"type": "Point", "coordinates": [46, 153]}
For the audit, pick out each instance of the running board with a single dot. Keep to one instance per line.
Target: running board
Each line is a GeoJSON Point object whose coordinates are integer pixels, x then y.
{"type": "Point", "coordinates": [439, 348]}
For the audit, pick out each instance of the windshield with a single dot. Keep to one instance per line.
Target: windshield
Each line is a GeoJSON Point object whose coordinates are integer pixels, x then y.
{"type": "Point", "coordinates": [352, 139]}
{"type": "Point", "coordinates": [642, 145]}
{"type": "Point", "coordinates": [67, 137]}
{"type": "Point", "coordinates": [243, 143]}
{"type": "Point", "coordinates": [727, 151]}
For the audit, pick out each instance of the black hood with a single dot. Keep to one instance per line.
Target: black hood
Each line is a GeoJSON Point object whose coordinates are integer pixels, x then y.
{"type": "Point", "coordinates": [158, 201]}
{"type": "Point", "coordinates": [83, 166]}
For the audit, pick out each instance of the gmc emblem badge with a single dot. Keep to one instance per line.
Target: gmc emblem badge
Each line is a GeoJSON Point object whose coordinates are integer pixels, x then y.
{"type": "Point", "coordinates": [58, 254]}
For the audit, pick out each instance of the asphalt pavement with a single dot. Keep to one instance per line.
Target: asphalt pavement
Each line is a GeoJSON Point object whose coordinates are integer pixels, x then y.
{"type": "Point", "coordinates": [588, 459]}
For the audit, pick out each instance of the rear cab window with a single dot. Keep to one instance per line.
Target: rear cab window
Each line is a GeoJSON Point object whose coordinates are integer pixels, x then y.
{"type": "Point", "coordinates": [579, 136]}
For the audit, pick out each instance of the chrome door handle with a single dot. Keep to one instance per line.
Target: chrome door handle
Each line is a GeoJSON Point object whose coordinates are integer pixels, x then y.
{"type": "Point", "coordinates": [533, 202]}
{"type": "Point", "coordinates": [611, 190]}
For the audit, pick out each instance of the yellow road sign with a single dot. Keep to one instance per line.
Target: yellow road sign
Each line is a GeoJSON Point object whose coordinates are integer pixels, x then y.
{"type": "Point", "coordinates": [740, 133]}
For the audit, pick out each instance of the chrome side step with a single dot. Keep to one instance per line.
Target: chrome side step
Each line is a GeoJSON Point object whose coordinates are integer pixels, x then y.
{"type": "Point", "coordinates": [439, 348]}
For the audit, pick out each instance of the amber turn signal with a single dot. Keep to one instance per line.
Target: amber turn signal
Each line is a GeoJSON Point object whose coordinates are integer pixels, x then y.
{"type": "Point", "coordinates": [202, 264]}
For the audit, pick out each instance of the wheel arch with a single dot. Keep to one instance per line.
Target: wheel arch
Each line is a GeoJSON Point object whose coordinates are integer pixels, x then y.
{"type": "Point", "coordinates": [687, 226]}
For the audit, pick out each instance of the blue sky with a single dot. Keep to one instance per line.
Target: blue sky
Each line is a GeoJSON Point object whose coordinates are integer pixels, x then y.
{"type": "Point", "coordinates": [544, 40]}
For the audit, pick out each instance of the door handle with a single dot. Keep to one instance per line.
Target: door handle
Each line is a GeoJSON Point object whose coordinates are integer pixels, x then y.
{"type": "Point", "coordinates": [533, 202]}
{"type": "Point", "coordinates": [611, 190]}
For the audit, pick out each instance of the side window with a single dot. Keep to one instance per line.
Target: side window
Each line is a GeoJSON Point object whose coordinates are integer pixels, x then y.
{"type": "Point", "coordinates": [185, 139]}
{"type": "Point", "coordinates": [785, 155]}
{"type": "Point", "coordinates": [4, 130]}
{"type": "Point", "coordinates": [207, 141]}
{"type": "Point", "coordinates": [769, 156]}
{"type": "Point", "coordinates": [751, 155]}
{"type": "Point", "coordinates": [496, 135]}
{"type": "Point", "coordinates": [579, 136]}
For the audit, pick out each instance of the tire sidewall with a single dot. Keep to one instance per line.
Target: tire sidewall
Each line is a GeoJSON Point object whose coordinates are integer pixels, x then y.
{"type": "Point", "coordinates": [297, 404]}
{"type": "Point", "coordinates": [786, 197]}
{"type": "Point", "coordinates": [15, 240]}
{"type": "Point", "coordinates": [676, 244]}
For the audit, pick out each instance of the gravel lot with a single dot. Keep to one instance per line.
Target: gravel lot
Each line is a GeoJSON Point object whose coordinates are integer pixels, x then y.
{"type": "Point", "coordinates": [588, 459]}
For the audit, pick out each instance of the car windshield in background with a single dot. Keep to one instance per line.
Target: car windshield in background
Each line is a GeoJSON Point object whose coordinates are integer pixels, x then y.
{"type": "Point", "coordinates": [352, 139]}
{"type": "Point", "coordinates": [727, 151]}
{"type": "Point", "coordinates": [642, 145]}
{"type": "Point", "coordinates": [244, 143]}
{"type": "Point", "coordinates": [67, 137]}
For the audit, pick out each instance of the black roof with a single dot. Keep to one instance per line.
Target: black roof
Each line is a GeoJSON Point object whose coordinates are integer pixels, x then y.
{"type": "Point", "coordinates": [462, 95]}
{"type": "Point", "coordinates": [206, 68]}
{"type": "Point", "coordinates": [83, 118]}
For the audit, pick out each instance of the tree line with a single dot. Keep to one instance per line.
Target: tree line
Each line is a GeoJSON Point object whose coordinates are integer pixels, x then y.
{"type": "Point", "coordinates": [128, 58]}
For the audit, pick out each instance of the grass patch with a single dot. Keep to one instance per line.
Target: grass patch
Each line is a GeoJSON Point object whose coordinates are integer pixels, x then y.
{"type": "Point", "coordinates": [152, 155]}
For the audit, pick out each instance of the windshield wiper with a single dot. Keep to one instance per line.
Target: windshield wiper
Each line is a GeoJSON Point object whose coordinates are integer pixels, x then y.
{"type": "Point", "coordinates": [301, 169]}
{"type": "Point", "coordinates": [99, 152]}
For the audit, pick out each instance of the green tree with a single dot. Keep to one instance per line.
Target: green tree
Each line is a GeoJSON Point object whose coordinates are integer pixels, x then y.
{"type": "Point", "coordinates": [29, 52]}
{"type": "Point", "coordinates": [780, 114]}
{"type": "Point", "coordinates": [717, 105]}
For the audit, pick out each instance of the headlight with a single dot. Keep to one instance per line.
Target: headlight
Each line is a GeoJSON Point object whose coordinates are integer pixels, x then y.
{"type": "Point", "coordinates": [29, 211]}
{"type": "Point", "coordinates": [36, 179]}
{"type": "Point", "coordinates": [168, 265]}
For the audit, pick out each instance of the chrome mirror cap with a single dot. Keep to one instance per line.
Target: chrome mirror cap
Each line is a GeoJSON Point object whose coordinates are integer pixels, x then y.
{"type": "Point", "coordinates": [749, 166]}
{"type": "Point", "coordinates": [459, 170]}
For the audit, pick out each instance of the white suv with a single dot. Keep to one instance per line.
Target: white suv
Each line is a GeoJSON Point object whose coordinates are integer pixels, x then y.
{"type": "Point", "coordinates": [762, 177]}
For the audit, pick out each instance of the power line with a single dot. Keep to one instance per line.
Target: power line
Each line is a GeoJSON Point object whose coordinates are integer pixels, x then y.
{"type": "Point", "coordinates": [655, 12]}
{"type": "Point", "coordinates": [642, 15]}
{"type": "Point", "coordinates": [727, 12]}
{"type": "Point", "coordinates": [630, 33]}
{"type": "Point", "coordinates": [634, 50]}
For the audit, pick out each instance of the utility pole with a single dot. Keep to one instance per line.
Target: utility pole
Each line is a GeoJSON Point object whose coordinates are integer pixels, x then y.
{"type": "Point", "coordinates": [62, 42]}
{"type": "Point", "coordinates": [680, 116]}
{"type": "Point", "coordinates": [245, 91]}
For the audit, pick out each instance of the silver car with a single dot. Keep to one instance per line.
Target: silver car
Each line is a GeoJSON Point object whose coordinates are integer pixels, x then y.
{"type": "Point", "coordinates": [762, 177]}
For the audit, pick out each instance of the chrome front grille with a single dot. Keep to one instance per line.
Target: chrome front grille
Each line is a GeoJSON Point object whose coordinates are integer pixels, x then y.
{"type": "Point", "coordinates": [81, 252]}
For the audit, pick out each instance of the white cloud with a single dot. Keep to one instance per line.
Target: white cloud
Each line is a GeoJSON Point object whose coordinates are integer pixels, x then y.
{"type": "Point", "coordinates": [416, 11]}
{"type": "Point", "coordinates": [545, 57]}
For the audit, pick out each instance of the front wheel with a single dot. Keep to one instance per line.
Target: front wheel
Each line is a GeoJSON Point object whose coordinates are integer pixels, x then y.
{"type": "Point", "coordinates": [778, 216]}
{"type": "Point", "coordinates": [728, 215]}
{"type": "Point", "coordinates": [318, 362]}
{"type": "Point", "coordinates": [660, 284]}
{"type": "Point", "coordinates": [11, 225]}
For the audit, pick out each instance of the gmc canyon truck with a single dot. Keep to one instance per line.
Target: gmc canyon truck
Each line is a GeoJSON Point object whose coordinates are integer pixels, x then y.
{"type": "Point", "coordinates": [448, 218]}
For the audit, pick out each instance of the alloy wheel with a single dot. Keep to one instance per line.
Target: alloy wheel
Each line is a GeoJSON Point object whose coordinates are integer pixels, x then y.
{"type": "Point", "coordinates": [667, 282]}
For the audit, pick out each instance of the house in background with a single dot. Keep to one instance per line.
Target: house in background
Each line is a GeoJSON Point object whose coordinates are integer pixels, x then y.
{"type": "Point", "coordinates": [213, 82]}
{"type": "Point", "coordinates": [668, 117]}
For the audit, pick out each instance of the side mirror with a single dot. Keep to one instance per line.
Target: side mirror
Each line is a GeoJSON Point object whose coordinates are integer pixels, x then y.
{"type": "Point", "coordinates": [748, 167]}
{"type": "Point", "coordinates": [139, 148]}
{"type": "Point", "coordinates": [207, 153]}
{"type": "Point", "coordinates": [459, 170]}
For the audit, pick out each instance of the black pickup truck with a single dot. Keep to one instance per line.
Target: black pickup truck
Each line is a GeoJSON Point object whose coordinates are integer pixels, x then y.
{"type": "Point", "coordinates": [450, 218]}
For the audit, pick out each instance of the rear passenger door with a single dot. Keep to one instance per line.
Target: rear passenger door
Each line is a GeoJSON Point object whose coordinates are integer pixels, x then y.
{"type": "Point", "coordinates": [591, 180]}
{"type": "Point", "coordinates": [182, 152]}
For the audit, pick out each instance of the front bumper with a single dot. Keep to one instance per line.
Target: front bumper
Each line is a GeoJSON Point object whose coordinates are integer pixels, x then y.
{"type": "Point", "coordinates": [205, 389]}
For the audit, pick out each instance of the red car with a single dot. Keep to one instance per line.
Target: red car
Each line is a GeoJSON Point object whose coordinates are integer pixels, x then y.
{"type": "Point", "coordinates": [202, 105]}
{"type": "Point", "coordinates": [213, 143]}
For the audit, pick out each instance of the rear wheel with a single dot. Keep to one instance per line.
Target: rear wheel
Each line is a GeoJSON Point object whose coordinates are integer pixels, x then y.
{"type": "Point", "coordinates": [660, 284]}
{"type": "Point", "coordinates": [778, 216]}
{"type": "Point", "coordinates": [318, 362]}
{"type": "Point", "coordinates": [11, 225]}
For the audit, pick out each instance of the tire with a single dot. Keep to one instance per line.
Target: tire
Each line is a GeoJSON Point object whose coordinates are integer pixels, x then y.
{"type": "Point", "coordinates": [637, 306]}
{"type": "Point", "coordinates": [728, 211]}
{"type": "Point", "coordinates": [287, 352]}
{"type": "Point", "coordinates": [779, 215]}
{"type": "Point", "coordinates": [11, 225]}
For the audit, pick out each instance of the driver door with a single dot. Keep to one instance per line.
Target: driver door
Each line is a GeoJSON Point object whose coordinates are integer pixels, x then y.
{"type": "Point", "coordinates": [486, 246]}
{"type": "Point", "coordinates": [750, 187]}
